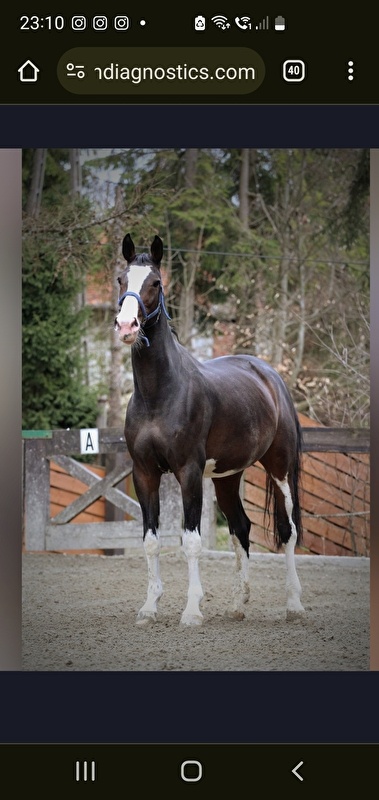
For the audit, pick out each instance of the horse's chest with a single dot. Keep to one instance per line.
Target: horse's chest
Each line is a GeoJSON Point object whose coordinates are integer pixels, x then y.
{"type": "Point", "coordinates": [145, 432]}
{"type": "Point", "coordinates": [149, 438]}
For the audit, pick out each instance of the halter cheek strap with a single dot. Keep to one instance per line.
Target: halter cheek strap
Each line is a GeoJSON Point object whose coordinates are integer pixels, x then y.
{"type": "Point", "coordinates": [160, 307]}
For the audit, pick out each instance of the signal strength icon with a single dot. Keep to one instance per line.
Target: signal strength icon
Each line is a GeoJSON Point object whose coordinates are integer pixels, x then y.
{"type": "Point", "coordinates": [263, 25]}
{"type": "Point", "coordinates": [221, 22]}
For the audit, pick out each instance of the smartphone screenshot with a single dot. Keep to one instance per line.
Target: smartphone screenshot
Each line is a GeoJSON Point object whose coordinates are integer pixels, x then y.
{"type": "Point", "coordinates": [189, 584]}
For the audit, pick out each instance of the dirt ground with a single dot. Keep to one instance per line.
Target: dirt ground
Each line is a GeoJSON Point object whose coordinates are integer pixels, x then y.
{"type": "Point", "coordinates": [79, 613]}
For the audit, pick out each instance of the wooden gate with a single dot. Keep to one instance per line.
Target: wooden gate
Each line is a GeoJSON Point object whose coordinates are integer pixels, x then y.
{"type": "Point", "coordinates": [43, 532]}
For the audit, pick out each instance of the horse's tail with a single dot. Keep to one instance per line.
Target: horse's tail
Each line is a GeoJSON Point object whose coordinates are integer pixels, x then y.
{"type": "Point", "coordinates": [294, 479]}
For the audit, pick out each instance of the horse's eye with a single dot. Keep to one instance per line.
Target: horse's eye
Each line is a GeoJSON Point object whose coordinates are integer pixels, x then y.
{"type": "Point", "coordinates": [156, 283]}
{"type": "Point", "coordinates": [119, 280]}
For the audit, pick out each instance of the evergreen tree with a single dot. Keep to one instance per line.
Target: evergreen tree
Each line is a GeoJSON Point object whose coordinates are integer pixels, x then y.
{"type": "Point", "coordinates": [56, 251]}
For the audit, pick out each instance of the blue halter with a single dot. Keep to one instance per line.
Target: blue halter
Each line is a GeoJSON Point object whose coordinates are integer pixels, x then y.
{"type": "Point", "coordinates": [146, 317]}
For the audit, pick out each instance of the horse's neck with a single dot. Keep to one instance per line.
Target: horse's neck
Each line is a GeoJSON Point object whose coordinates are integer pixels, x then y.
{"type": "Point", "coordinates": [157, 366]}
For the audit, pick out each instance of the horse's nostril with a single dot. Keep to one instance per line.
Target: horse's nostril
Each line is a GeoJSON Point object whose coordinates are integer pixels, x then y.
{"type": "Point", "coordinates": [135, 323]}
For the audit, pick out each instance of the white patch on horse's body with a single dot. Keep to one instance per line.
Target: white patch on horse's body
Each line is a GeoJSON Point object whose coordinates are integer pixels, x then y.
{"type": "Point", "coordinates": [148, 612]}
{"type": "Point", "coordinates": [294, 606]}
{"type": "Point", "coordinates": [209, 471]}
{"type": "Point", "coordinates": [129, 309]}
{"type": "Point", "coordinates": [241, 589]}
{"type": "Point", "coordinates": [192, 548]}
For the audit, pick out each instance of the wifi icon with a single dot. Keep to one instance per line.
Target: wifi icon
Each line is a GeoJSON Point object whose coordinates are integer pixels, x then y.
{"type": "Point", "coordinates": [221, 22]}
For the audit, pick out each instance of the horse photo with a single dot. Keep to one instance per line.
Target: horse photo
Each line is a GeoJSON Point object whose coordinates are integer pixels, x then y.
{"type": "Point", "coordinates": [208, 419]}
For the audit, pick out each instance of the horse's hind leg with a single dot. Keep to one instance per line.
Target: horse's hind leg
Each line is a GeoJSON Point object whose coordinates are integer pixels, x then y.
{"type": "Point", "coordinates": [288, 536]}
{"type": "Point", "coordinates": [147, 490]}
{"type": "Point", "coordinates": [228, 498]}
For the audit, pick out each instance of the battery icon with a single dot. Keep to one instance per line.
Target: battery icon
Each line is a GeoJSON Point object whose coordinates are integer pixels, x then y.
{"type": "Point", "coordinates": [280, 24]}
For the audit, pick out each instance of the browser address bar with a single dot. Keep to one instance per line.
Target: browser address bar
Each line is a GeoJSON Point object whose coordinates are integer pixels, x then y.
{"type": "Point", "coordinates": [161, 70]}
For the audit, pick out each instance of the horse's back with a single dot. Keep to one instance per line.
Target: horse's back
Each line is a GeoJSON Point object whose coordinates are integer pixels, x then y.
{"type": "Point", "coordinates": [245, 377]}
{"type": "Point", "coordinates": [241, 364]}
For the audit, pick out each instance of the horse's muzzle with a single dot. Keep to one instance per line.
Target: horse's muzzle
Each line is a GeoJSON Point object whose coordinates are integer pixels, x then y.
{"type": "Point", "coordinates": [127, 331]}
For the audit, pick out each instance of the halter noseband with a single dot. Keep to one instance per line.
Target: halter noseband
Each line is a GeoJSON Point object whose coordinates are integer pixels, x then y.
{"type": "Point", "coordinates": [146, 317]}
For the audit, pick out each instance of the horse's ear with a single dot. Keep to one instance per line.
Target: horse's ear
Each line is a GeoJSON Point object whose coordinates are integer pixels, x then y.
{"type": "Point", "coordinates": [128, 250]}
{"type": "Point", "coordinates": [156, 250]}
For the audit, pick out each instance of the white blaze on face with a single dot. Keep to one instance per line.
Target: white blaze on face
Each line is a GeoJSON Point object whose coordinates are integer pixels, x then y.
{"type": "Point", "coordinates": [130, 307]}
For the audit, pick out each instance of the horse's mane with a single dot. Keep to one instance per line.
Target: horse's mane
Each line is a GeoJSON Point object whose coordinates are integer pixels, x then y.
{"type": "Point", "coordinates": [174, 332]}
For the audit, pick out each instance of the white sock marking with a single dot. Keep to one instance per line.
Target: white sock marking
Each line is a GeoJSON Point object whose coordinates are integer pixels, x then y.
{"type": "Point", "coordinates": [293, 585]}
{"type": "Point", "coordinates": [152, 548]}
{"type": "Point", "coordinates": [241, 590]}
{"type": "Point", "coordinates": [192, 548]}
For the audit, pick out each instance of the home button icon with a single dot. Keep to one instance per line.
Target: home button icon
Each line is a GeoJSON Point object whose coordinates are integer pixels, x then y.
{"type": "Point", "coordinates": [28, 72]}
{"type": "Point", "coordinates": [191, 771]}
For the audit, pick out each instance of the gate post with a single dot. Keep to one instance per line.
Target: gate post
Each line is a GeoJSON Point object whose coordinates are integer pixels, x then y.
{"type": "Point", "coordinates": [36, 493]}
{"type": "Point", "coordinates": [171, 516]}
{"type": "Point", "coordinates": [208, 517]}
{"type": "Point", "coordinates": [171, 510]}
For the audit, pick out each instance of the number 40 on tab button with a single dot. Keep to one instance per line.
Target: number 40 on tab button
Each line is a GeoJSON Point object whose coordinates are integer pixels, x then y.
{"type": "Point", "coordinates": [293, 70]}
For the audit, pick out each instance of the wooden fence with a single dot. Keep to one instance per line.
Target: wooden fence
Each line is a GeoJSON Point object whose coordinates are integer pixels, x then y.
{"type": "Point", "coordinates": [335, 495]}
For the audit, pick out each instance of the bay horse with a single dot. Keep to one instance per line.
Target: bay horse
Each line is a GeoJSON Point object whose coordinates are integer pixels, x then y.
{"type": "Point", "coordinates": [209, 419]}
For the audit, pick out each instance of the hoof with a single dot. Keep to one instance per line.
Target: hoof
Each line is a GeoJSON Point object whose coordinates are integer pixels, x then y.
{"type": "Point", "coordinates": [145, 619]}
{"type": "Point", "coordinates": [295, 613]}
{"type": "Point", "coordinates": [235, 614]}
{"type": "Point", "coordinates": [191, 620]}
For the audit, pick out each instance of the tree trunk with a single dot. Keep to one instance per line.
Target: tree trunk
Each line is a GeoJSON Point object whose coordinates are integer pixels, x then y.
{"type": "Point", "coordinates": [115, 413]}
{"type": "Point", "coordinates": [191, 261]}
{"type": "Point", "coordinates": [298, 360]}
{"type": "Point", "coordinates": [115, 417]}
{"type": "Point", "coordinates": [282, 310]}
{"type": "Point", "coordinates": [75, 172]}
{"type": "Point", "coordinates": [244, 188]}
{"type": "Point", "coordinates": [75, 191]}
{"type": "Point", "coordinates": [281, 316]}
{"type": "Point", "coordinates": [33, 204]}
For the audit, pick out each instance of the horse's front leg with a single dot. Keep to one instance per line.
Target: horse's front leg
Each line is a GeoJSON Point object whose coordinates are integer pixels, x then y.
{"type": "Point", "coordinates": [191, 482]}
{"type": "Point", "coordinates": [147, 490]}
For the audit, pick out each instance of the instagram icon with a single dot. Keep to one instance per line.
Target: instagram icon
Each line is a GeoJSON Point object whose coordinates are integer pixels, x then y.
{"type": "Point", "coordinates": [121, 23]}
{"type": "Point", "coordinates": [78, 23]}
